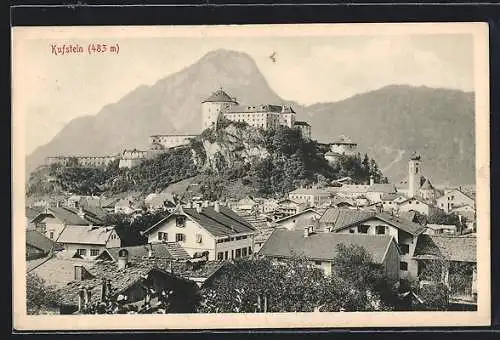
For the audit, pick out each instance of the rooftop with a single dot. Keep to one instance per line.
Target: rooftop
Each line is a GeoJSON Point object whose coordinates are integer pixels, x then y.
{"type": "Point", "coordinates": [383, 188]}
{"type": "Point", "coordinates": [321, 246]}
{"type": "Point", "coordinates": [342, 140]}
{"type": "Point", "coordinates": [220, 96]}
{"type": "Point", "coordinates": [39, 241]}
{"type": "Point", "coordinates": [449, 248]}
{"type": "Point", "coordinates": [168, 250]}
{"type": "Point", "coordinates": [85, 235]}
{"type": "Point", "coordinates": [223, 223]}
{"type": "Point", "coordinates": [301, 123]}
{"type": "Point", "coordinates": [310, 191]}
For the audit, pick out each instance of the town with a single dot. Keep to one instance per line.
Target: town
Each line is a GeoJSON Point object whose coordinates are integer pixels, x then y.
{"type": "Point", "coordinates": [163, 253]}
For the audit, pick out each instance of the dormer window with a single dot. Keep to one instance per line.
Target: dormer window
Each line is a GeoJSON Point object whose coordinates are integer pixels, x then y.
{"type": "Point", "coordinates": [180, 221]}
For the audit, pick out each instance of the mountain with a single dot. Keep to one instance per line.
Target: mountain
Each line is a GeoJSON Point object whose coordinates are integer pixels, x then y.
{"type": "Point", "coordinates": [392, 122]}
{"type": "Point", "coordinates": [387, 123]}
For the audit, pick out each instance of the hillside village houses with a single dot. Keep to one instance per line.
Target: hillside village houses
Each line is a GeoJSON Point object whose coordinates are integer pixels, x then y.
{"type": "Point", "coordinates": [195, 239]}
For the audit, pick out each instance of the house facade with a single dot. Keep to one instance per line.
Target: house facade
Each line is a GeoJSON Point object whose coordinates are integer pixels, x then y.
{"type": "Point", "coordinates": [453, 199]}
{"type": "Point", "coordinates": [418, 205]}
{"type": "Point", "coordinates": [313, 197]}
{"type": "Point", "coordinates": [308, 217]}
{"type": "Point", "coordinates": [216, 231]}
{"type": "Point", "coordinates": [321, 248]}
{"type": "Point", "coordinates": [404, 232]}
{"type": "Point", "coordinates": [87, 242]}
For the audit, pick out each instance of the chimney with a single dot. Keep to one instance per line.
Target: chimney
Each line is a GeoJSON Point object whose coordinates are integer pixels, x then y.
{"type": "Point", "coordinates": [79, 272]}
{"type": "Point", "coordinates": [217, 206]}
{"type": "Point", "coordinates": [122, 259]}
{"type": "Point", "coordinates": [307, 231]}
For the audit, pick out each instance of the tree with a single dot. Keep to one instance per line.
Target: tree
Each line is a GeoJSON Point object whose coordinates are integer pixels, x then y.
{"type": "Point", "coordinates": [40, 296]}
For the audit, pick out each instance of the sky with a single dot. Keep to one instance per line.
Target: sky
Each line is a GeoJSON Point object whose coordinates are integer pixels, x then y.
{"type": "Point", "coordinates": [56, 89]}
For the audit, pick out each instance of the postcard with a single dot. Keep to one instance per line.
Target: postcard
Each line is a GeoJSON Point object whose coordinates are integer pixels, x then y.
{"type": "Point", "coordinates": [250, 176]}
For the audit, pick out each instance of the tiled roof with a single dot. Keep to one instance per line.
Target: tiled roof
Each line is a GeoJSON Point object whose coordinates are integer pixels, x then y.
{"type": "Point", "coordinates": [298, 215]}
{"type": "Point", "coordinates": [31, 213]}
{"type": "Point", "coordinates": [390, 196]}
{"type": "Point", "coordinates": [159, 199]}
{"type": "Point", "coordinates": [205, 271]}
{"type": "Point", "coordinates": [65, 215]}
{"type": "Point", "coordinates": [59, 271]}
{"type": "Point", "coordinates": [219, 96]}
{"type": "Point", "coordinates": [109, 202]}
{"type": "Point", "coordinates": [401, 223]}
{"type": "Point", "coordinates": [85, 235]}
{"type": "Point", "coordinates": [321, 246]}
{"type": "Point", "coordinates": [352, 188]}
{"type": "Point", "coordinates": [219, 224]}
{"type": "Point", "coordinates": [309, 191]}
{"type": "Point", "coordinates": [384, 188]}
{"type": "Point", "coordinates": [446, 247]}
{"type": "Point", "coordinates": [300, 123]}
{"type": "Point", "coordinates": [120, 279]}
{"type": "Point", "coordinates": [341, 218]}
{"type": "Point", "coordinates": [427, 185]}
{"type": "Point", "coordinates": [169, 250]}
{"type": "Point", "coordinates": [39, 241]}
{"type": "Point", "coordinates": [408, 215]}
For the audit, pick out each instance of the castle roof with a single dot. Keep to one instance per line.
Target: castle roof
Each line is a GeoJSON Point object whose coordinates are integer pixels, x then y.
{"type": "Point", "coordinates": [301, 123]}
{"type": "Point", "coordinates": [261, 108]}
{"type": "Point", "coordinates": [343, 140]}
{"type": "Point", "coordinates": [220, 96]}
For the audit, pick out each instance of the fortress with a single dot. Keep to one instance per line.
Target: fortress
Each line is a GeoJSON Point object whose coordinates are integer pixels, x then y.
{"type": "Point", "coordinates": [217, 105]}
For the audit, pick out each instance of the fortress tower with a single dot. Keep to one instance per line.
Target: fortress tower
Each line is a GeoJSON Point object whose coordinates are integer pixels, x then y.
{"type": "Point", "coordinates": [414, 175]}
{"type": "Point", "coordinates": [212, 107]}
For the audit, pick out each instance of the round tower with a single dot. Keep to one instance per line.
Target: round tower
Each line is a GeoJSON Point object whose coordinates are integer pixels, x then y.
{"type": "Point", "coordinates": [211, 108]}
{"type": "Point", "coordinates": [413, 175]}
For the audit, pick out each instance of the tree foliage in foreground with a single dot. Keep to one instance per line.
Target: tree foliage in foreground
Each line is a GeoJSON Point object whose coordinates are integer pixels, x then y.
{"type": "Point", "coordinates": [39, 295]}
{"type": "Point", "coordinates": [295, 285]}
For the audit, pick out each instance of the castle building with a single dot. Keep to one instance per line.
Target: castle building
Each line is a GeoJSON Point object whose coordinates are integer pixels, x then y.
{"type": "Point", "coordinates": [266, 116]}
{"type": "Point", "coordinates": [305, 129]}
{"type": "Point", "coordinates": [88, 161]}
{"type": "Point", "coordinates": [131, 158]}
{"type": "Point", "coordinates": [341, 146]}
{"type": "Point", "coordinates": [163, 142]}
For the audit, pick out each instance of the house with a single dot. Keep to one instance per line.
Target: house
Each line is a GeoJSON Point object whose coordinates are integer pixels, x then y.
{"type": "Point", "coordinates": [38, 245]}
{"type": "Point", "coordinates": [126, 206]}
{"type": "Point", "coordinates": [52, 221]}
{"type": "Point", "coordinates": [313, 197]}
{"type": "Point", "coordinates": [246, 204]}
{"type": "Point", "coordinates": [269, 205]}
{"type": "Point", "coordinates": [216, 231]}
{"type": "Point", "coordinates": [108, 204]}
{"type": "Point", "coordinates": [344, 202]}
{"type": "Point", "coordinates": [321, 248]}
{"type": "Point", "coordinates": [375, 191]}
{"type": "Point", "coordinates": [454, 198]}
{"type": "Point", "coordinates": [418, 205]}
{"type": "Point", "coordinates": [439, 229]}
{"type": "Point", "coordinates": [289, 207]}
{"type": "Point", "coordinates": [159, 201]}
{"type": "Point", "coordinates": [87, 242]}
{"type": "Point", "coordinates": [405, 232]}
{"type": "Point", "coordinates": [30, 214]}
{"type": "Point", "coordinates": [139, 282]}
{"type": "Point", "coordinates": [305, 218]}
{"type": "Point", "coordinates": [261, 237]}
{"type": "Point", "coordinates": [456, 262]}
{"type": "Point", "coordinates": [466, 212]}
{"type": "Point", "coordinates": [352, 191]}
{"type": "Point", "coordinates": [170, 251]}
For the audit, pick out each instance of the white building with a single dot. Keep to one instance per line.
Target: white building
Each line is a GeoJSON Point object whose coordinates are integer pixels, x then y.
{"type": "Point", "coordinates": [132, 158]}
{"type": "Point", "coordinates": [216, 231]}
{"type": "Point", "coordinates": [87, 242]}
{"type": "Point", "coordinates": [313, 197]}
{"type": "Point", "coordinates": [165, 142]}
{"type": "Point", "coordinates": [266, 116]}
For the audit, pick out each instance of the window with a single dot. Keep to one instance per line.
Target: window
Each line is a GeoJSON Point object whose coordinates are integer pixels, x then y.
{"type": "Point", "coordinates": [380, 230]}
{"type": "Point", "coordinates": [180, 237]}
{"type": "Point", "coordinates": [238, 253]}
{"type": "Point", "coordinates": [363, 229]}
{"type": "Point", "coordinates": [51, 234]}
{"type": "Point", "coordinates": [225, 255]}
{"type": "Point", "coordinates": [405, 249]}
{"type": "Point", "coordinates": [82, 252]}
{"type": "Point", "coordinates": [232, 254]}
{"type": "Point", "coordinates": [403, 266]}
{"type": "Point", "coordinates": [244, 252]}
{"type": "Point", "coordinates": [162, 236]}
{"type": "Point", "coordinates": [318, 263]}
{"type": "Point", "coordinates": [199, 238]}
{"type": "Point", "coordinates": [249, 250]}
{"type": "Point", "coordinates": [351, 231]}
{"type": "Point", "coordinates": [244, 237]}
{"type": "Point", "coordinates": [180, 221]}
{"type": "Point", "coordinates": [94, 252]}
{"type": "Point", "coordinates": [220, 256]}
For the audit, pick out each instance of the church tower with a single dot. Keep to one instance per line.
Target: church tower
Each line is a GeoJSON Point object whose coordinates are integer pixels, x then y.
{"type": "Point", "coordinates": [414, 175]}
{"type": "Point", "coordinates": [211, 108]}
